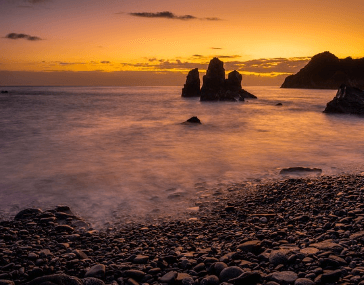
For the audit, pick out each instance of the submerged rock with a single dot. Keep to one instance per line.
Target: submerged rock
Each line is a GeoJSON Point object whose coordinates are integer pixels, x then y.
{"type": "Point", "coordinates": [192, 86]}
{"type": "Point", "coordinates": [348, 100]}
{"type": "Point", "coordinates": [292, 170]}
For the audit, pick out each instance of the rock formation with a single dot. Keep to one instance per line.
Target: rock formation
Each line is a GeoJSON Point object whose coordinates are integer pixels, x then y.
{"type": "Point", "coordinates": [326, 71]}
{"type": "Point", "coordinates": [192, 86]}
{"type": "Point", "coordinates": [348, 100]}
{"type": "Point", "coordinates": [216, 88]}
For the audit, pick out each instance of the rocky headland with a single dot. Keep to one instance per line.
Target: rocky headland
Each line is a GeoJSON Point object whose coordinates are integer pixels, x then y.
{"type": "Point", "coordinates": [296, 231]}
{"type": "Point", "coordinates": [215, 87]}
{"type": "Point", "coordinates": [326, 71]}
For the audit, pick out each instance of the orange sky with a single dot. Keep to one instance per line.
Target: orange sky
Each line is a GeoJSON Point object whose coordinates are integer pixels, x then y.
{"type": "Point", "coordinates": [263, 39]}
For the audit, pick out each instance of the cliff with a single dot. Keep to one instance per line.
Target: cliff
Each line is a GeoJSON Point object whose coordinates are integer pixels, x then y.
{"type": "Point", "coordinates": [326, 71]}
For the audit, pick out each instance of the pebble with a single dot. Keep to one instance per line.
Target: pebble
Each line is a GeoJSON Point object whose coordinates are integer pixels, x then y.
{"type": "Point", "coordinates": [310, 236]}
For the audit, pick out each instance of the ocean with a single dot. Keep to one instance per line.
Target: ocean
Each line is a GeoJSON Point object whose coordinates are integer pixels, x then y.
{"type": "Point", "coordinates": [115, 154]}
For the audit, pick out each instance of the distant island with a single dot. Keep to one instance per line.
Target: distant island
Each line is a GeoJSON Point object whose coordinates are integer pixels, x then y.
{"type": "Point", "coordinates": [215, 87]}
{"type": "Point", "coordinates": [326, 71]}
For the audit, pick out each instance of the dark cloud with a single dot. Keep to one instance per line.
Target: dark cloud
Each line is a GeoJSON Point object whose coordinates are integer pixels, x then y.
{"type": "Point", "coordinates": [15, 36]}
{"type": "Point", "coordinates": [170, 15]}
{"type": "Point", "coordinates": [268, 65]}
{"type": "Point", "coordinates": [105, 62]}
{"type": "Point", "coordinates": [216, 48]}
{"type": "Point", "coordinates": [69, 63]}
{"type": "Point", "coordinates": [165, 14]}
{"type": "Point", "coordinates": [264, 66]}
{"type": "Point", "coordinates": [212, 19]}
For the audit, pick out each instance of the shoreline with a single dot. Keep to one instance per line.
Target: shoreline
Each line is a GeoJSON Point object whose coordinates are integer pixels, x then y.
{"type": "Point", "coordinates": [293, 231]}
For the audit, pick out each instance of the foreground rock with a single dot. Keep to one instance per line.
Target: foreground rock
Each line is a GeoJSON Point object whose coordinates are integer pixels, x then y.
{"type": "Point", "coordinates": [298, 170]}
{"type": "Point", "coordinates": [296, 231]}
{"type": "Point", "coordinates": [326, 71]}
{"type": "Point", "coordinates": [348, 100]}
{"type": "Point", "coordinates": [192, 86]}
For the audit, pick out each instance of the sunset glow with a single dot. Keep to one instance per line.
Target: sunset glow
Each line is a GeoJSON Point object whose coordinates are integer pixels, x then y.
{"type": "Point", "coordinates": [258, 38]}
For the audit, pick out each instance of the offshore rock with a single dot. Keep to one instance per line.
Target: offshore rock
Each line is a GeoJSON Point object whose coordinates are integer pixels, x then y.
{"type": "Point", "coordinates": [326, 71]}
{"type": "Point", "coordinates": [213, 86]}
{"type": "Point", "coordinates": [216, 88]}
{"type": "Point", "coordinates": [192, 86]}
{"type": "Point", "coordinates": [193, 120]}
{"type": "Point", "coordinates": [348, 100]}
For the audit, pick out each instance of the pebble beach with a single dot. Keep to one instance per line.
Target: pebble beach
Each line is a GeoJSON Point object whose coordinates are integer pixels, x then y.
{"type": "Point", "coordinates": [296, 231]}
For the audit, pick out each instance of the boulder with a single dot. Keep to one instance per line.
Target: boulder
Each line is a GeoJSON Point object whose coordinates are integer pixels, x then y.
{"type": "Point", "coordinates": [348, 100]}
{"type": "Point", "coordinates": [56, 279]}
{"type": "Point", "coordinates": [29, 213]}
{"type": "Point", "coordinates": [192, 86]}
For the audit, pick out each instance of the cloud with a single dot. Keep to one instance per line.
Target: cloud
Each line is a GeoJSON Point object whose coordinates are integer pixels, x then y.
{"type": "Point", "coordinates": [170, 15]}
{"type": "Point", "coordinates": [15, 36]}
{"type": "Point", "coordinates": [216, 48]}
{"type": "Point", "coordinates": [68, 63]}
{"type": "Point", "coordinates": [263, 66]}
{"type": "Point", "coordinates": [268, 65]}
{"type": "Point", "coordinates": [105, 62]}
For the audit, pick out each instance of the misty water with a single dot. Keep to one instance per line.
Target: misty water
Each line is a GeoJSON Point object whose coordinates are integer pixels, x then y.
{"type": "Point", "coordinates": [116, 153]}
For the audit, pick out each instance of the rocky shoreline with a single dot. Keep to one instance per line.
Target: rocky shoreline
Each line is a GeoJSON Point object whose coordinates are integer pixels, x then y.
{"type": "Point", "coordinates": [297, 231]}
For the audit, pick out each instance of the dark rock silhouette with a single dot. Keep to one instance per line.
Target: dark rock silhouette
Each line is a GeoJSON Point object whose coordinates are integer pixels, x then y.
{"type": "Point", "coordinates": [279, 104]}
{"type": "Point", "coordinates": [193, 120]}
{"type": "Point", "coordinates": [192, 86]}
{"type": "Point", "coordinates": [326, 71]}
{"type": "Point", "coordinates": [216, 88]}
{"type": "Point", "coordinates": [214, 81]}
{"type": "Point", "coordinates": [4, 91]}
{"type": "Point", "coordinates": [292, 170]}
{"type": "Point", "coordinates": [348, 100]}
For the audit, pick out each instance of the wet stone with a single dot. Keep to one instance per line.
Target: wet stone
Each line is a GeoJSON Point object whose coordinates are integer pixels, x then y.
{"type": "Point", "coordinates": [141, 259]}
{"type": "Point", "coordinates": [168, 277]}
{"type": "Point", "coordinates": [92, 281]}
{"type": "Point", "coordinates": [97, 271]}
{"type": "Point", "coordinates": [230, 273]}
{"type": "Point", "coordinates": [284, 277]}
{"type": "Point", "coordinates": [303, 281]}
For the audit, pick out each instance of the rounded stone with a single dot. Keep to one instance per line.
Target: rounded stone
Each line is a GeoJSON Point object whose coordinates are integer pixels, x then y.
{"type": "Point", "coordinates": [303, 281]}
{"type": "Point", "coordinates": [284, 277]}
{"type": "Point", "coordinates": [230, 273]}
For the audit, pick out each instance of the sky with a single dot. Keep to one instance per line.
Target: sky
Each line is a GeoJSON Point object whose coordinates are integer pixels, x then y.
{"type": "Point", "coordinates": [156, 42]}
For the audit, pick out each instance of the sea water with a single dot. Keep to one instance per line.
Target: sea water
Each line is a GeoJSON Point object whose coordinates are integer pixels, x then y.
{"type": "Point", "coordinates": [112, 153]}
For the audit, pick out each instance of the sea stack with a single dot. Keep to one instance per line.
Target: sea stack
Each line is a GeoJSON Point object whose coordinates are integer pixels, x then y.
{"type": "Point", "coordinates": [215, 87]}
{"type": "Point", "coordinates": [214, 81]}
{"type": "Point", "coordinates": [348, 100]}
{"type": "Point", "coordinates": [192, 86]}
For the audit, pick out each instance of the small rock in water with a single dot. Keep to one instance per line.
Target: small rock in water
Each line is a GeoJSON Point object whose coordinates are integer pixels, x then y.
{"type": "Point", "coordinates": [292, 170]}
{"type": "Point", "coordinates": [194, 120]}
